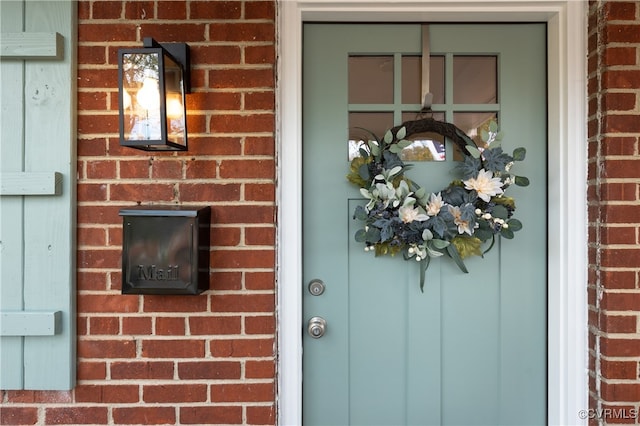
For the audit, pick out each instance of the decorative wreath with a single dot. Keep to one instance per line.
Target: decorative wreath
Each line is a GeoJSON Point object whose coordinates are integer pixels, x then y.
{"type": "Point", "coordinates": [402, 217]}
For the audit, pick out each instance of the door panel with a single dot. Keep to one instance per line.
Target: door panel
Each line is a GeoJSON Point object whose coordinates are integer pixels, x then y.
{"type": "Point", "coordinates": [471, 349]}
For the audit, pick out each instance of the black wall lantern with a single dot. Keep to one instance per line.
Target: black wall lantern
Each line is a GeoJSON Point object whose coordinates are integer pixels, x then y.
{"type": "Point", "coordinates": [153, 81]}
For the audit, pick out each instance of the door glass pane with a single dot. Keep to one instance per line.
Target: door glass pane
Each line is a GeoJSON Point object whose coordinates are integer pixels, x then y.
{"type": "Point", "coordinates": [425, 146]}
{"type": "Point", "coordinates": [370, 79]}
{"type": "Point", "coordinates": [472, 123]}
{"type": "Point", "coordinates": [362, 127]}
{"type": "Point", "coordinates": [475, 80]}
{"type": "Point", "coordinates": [412, 79]}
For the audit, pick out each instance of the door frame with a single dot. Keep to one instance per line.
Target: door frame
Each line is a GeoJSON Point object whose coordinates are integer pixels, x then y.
{"type": "Point", "coordinates": [567, 391]}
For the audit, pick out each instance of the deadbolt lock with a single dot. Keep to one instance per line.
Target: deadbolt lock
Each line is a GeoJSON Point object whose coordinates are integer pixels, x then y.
{"type": "Point", "coordinates": [316, 287]}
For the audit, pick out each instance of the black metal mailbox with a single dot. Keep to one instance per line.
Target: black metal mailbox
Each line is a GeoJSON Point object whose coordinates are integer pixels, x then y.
{"type": "Point", "coordinates": [165, 249]}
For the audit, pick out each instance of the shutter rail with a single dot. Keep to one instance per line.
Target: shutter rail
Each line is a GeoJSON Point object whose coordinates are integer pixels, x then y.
{"type": "Point", "coordinates": [31, 45]}
{"type": "Point", "coordinates": [30, 323]}
{"type": "Point", "coordinates": [30, 183]}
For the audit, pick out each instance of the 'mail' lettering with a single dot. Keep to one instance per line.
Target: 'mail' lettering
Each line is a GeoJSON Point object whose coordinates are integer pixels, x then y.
{"type": "Point", "coordinates": [153, 273]}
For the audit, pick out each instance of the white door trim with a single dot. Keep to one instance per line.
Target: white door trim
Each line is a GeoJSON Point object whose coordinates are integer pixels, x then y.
{"type": "Point", "coordinates": [567, 163]}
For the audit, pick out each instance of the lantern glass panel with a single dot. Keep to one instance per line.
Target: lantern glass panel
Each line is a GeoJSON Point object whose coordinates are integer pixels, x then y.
{"type": "Point", "coordinates": [141, 96]}
{"type": "Point", "coordinates": [174, 101]}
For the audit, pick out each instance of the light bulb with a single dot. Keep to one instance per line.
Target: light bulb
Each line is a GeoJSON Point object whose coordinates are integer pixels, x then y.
{"type": "Point", "coordinates": [149, 94]}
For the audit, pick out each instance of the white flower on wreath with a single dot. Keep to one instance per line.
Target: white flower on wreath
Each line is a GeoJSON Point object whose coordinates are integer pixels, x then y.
{"type": "Point", "coordinates": [463, 225]}
{"type": "Point", "coordinates": [409, 213]}
{"type": "Point", "coordinates": [435, 204]}
{"type": "Point", "coordinates": [485, 185]}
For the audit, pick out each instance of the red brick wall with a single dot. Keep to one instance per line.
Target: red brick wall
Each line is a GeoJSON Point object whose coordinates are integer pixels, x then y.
{"type": "Point", "coordinates": [614, 210]}
{"type": "Point", "coordinates": [205, 359]}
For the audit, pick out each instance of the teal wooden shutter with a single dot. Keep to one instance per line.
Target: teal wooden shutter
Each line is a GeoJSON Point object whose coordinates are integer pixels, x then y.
{"type": "Point", "coordinates": [37, 194]}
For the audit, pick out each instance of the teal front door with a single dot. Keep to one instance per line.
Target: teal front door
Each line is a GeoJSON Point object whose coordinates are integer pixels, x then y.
{"type": "Point", "coordinates": [472, 348]}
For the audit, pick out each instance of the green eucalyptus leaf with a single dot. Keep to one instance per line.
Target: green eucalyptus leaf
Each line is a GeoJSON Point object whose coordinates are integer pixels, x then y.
{"type": "Point", "coordinates": [506, 233]}
{"type": "Point", "coordinates": [521, 181]}
{"type": "Point", "coordinates": [483, 234]}
{"type": "Point", "coordinates": [375, 149]}
{"type": "Point", "coordinates": [432, 252]}
{"type": "Point", "coordinates": [424, 264]}
{"type": "Point", "coordinates": [453, 253]}
{"type": "Point", "coordinates": [473, 151]}
{"type": "Point", "coordinates": [519, 154]}
{"type": "Point", "coordinates": [360, 213]}
{"type": "Point", "coordinates": [439, 244]}
{"type": "Point", "coordinates": [514, 224]}
{"type": "Point", "coordinates": [361, 236]}
{"type": "Point", "coordinates": [402, 132]}
{"type": "Point", "coordinates": [484, 135]}
{"type": "Point", "coordinates": [493, 126]}
{"type": "Point", "coordinates": [500, 211]}
{"type": "Point", "coordinates": [394, 171]}
{"type": "Point", "coordinates": [404, 143]}
{"type": "Point", "coordinates": [363, 171]}
{"type": "Point", "coordinates": [373, 235]}
{"type": "Point", "coordinates": [363, 152]}
{"type": "Point", "coordinates": [395, 148]}
{"type": "Point", "coordinates": [388, 137]}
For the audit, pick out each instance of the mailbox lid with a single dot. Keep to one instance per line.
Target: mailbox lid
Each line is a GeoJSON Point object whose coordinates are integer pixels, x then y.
{"type": "Point", "coordinates": [167, 210]}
